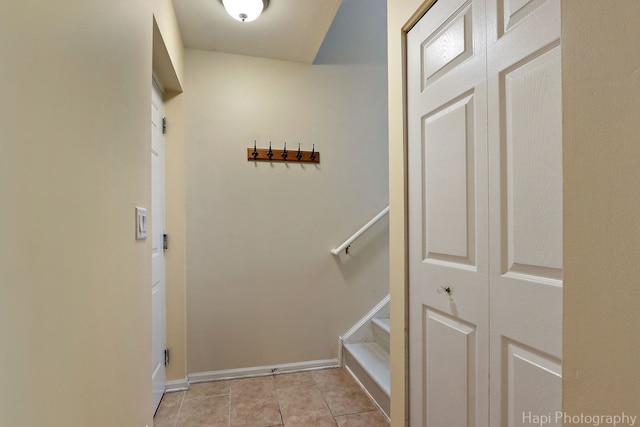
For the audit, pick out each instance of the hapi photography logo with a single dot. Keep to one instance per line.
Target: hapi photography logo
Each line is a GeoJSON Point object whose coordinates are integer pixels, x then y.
{"type": "Point", "coordinates": [558, 417]}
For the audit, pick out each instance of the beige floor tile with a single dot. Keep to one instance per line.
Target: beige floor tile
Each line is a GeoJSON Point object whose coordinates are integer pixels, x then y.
{"type": "Point", "coordinates": [304, 405]}
{"type": "Point", "coordinates": [172, 400]}
{"type": "Point", "coordinates": [253, 411]}
{"type": "Point", "coordinates": [298, 379]}
{"type": "Point", "coordinates": [311, 419]}
{"type": "Point", "coordinates": [332, 378]}
{"type": "Point", "coordinates": [164, 423]}
{"type": "Point", "coordinates": [363, 419]}
{"type": "Point", "coordinates": [204, 412]}
{"type": "Point", "coordinates": [208, 389]}
{"type": "Point", "coordinates": [165, 417]}
{"type": "Point", "coordinates": [168, 410]}
{"type": "Point", "coordinates": [254, 403]}
{"type": "Point", "coordinates": [347, 400]}
{"type": "Point", "coordinates": [294, 400]}
{"type": "Point", "coordinates": [341, 392]}
{"type": "Point", "coordinates": [259, 386]}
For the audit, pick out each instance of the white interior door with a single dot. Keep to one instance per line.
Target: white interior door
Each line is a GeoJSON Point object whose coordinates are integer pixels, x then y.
{"type": "Point", "coordinates": [159, 376]}
{"type": "Point", "coordinates": [525, 181]}
{"type": "Point", "coordinates": [485, 213]}
{"type": "Point", "coordinates": [448, 237]}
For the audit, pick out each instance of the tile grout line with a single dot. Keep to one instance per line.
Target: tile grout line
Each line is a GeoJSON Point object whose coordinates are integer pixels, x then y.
{"type": "Point", "coordinates": [229, 406]}
{"type": "Point", "coordinates": [364, 411]}
{"type": "Point", "coordinates": [335, 416]}
{"type": "Point", "coordinates": [208, 397]}
{"type": "Point", "coordinates": [175, 421]}
{"type": "Point", "coordinates": [275, 389]}
{"type": "Point", "coordinates": [325, 399]}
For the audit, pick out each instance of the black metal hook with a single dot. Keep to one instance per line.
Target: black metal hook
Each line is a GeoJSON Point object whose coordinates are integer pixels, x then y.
{"type": "Point", "coordinates": [313, 152]}
{"type": "Point", "coordinates": [255, 151]}
{"type": "Point", "coordinates": [443, 290]}
{"type": "Point", "coordinates": [270, 152]}
{"type": "Point", "coordinates": [284, 152]}
{"type": "Point", "coordinates": [299, 155]}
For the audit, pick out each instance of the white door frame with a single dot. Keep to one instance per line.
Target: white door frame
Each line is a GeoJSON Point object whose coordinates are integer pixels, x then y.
{"type": "Point", "coordinates": [158, 279]}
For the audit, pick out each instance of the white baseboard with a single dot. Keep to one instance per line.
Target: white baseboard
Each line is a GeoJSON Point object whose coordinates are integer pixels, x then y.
{"type": "Point", "coordinates": [176, 385]}
{"type": "Point", "coordinates": [260, 371]}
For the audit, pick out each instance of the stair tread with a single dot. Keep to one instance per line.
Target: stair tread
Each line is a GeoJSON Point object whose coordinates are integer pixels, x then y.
{"type": "Point", "coordinates": [375, 360]}
{"type": "Point", "coordinates": [384, 324]}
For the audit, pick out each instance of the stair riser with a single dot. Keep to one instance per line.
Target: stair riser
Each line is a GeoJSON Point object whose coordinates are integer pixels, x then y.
{"type": "Point", "coordinates": [374, 390]}
{"type": "Point", "coordinates": [362, 331]}
{"type": "Point", "coordinates": [381, 336]}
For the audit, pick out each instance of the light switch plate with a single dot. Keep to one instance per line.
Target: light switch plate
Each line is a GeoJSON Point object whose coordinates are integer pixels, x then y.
{"type": "Point", "coordinates": [141, 223]}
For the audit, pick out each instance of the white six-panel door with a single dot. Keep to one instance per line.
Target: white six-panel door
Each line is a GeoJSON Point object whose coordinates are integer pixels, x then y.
{"type": "Point", "coordinates": [158, 338]}
{"type": "Point", "coordinates": [448, 199]}
{"type": "Point", "coordinates": [485, 210]}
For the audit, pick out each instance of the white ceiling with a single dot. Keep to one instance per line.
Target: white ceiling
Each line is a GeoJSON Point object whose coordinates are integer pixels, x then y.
{"type": "Point", "coordinates": [290, 30]}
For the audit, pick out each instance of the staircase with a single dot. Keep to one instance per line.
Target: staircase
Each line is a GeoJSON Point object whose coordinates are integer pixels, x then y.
{"type": "Point", "coordinates": [365, 353]}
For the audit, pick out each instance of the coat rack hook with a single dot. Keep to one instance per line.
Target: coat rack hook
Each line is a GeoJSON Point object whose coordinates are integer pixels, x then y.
{"type": "Point", "coordinates": [270, 152]}
{"type": "Point", "coordinates": [313, 152]}
{"type": "Point", "coordinates": [299, 155]}
{"type": "Point", "coordinates": [284, 152]}
{"type": "Point", "coordinates": [255, 150]}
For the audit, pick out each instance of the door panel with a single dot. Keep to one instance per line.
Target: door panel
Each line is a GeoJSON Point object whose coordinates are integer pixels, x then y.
{"type": "Point", "coordinates": [532, 166]}
{"type": "Point", "coordinates": [448, 217]}
{"type": "Point", "coordinates": [449, 232]}
{"type": "Point", "coordinates": [531, 387]}
{"type": "Point", "coordinates": [525, 205]}
{"type": "Point", "coordinates": [450, 353]}
{"type": "Point", "coordinates": [514, 11]}
{"type": "Point", "coordinates": [449, 46]}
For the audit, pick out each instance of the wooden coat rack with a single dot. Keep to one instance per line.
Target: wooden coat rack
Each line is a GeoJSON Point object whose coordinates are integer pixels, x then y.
{"type": "Point", "coordinates": [284, 155]}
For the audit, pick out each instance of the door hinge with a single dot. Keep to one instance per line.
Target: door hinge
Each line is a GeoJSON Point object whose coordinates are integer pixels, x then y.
{"type": "Point", "coordinates": [164, 125]}
{"type": "Point", "coordinates": [166, 357]}
{"type": "Point", "coordinates": [165, 241]}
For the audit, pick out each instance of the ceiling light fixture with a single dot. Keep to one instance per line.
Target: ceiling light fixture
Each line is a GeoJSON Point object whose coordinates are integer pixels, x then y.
{"type": "Point", "coordinates": [245, 10]}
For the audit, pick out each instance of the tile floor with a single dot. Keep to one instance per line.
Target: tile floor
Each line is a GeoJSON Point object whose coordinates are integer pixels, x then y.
{"type": "Point", "coordinates": [328, 397]}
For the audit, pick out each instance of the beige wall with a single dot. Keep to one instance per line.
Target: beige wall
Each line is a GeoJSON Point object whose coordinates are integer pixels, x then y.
{"type": "Point", "coordinates": [165, 18]}
{"type": "Point", "coordinates": [601, 93]}
{"type": "Point", "coordinates": [263, 288]}
{"type": "Point", "coordinates": [601, 104]}
{"type": "Point", "coordinates": [74, 283]}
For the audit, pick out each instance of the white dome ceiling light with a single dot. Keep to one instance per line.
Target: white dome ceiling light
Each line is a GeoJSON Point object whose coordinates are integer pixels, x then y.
{"type": "Point", "coordinates": [245, 10]}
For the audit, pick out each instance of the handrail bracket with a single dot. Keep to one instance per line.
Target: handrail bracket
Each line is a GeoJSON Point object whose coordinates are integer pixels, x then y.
{"type": "Point", "coordinates": [347, 244]}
